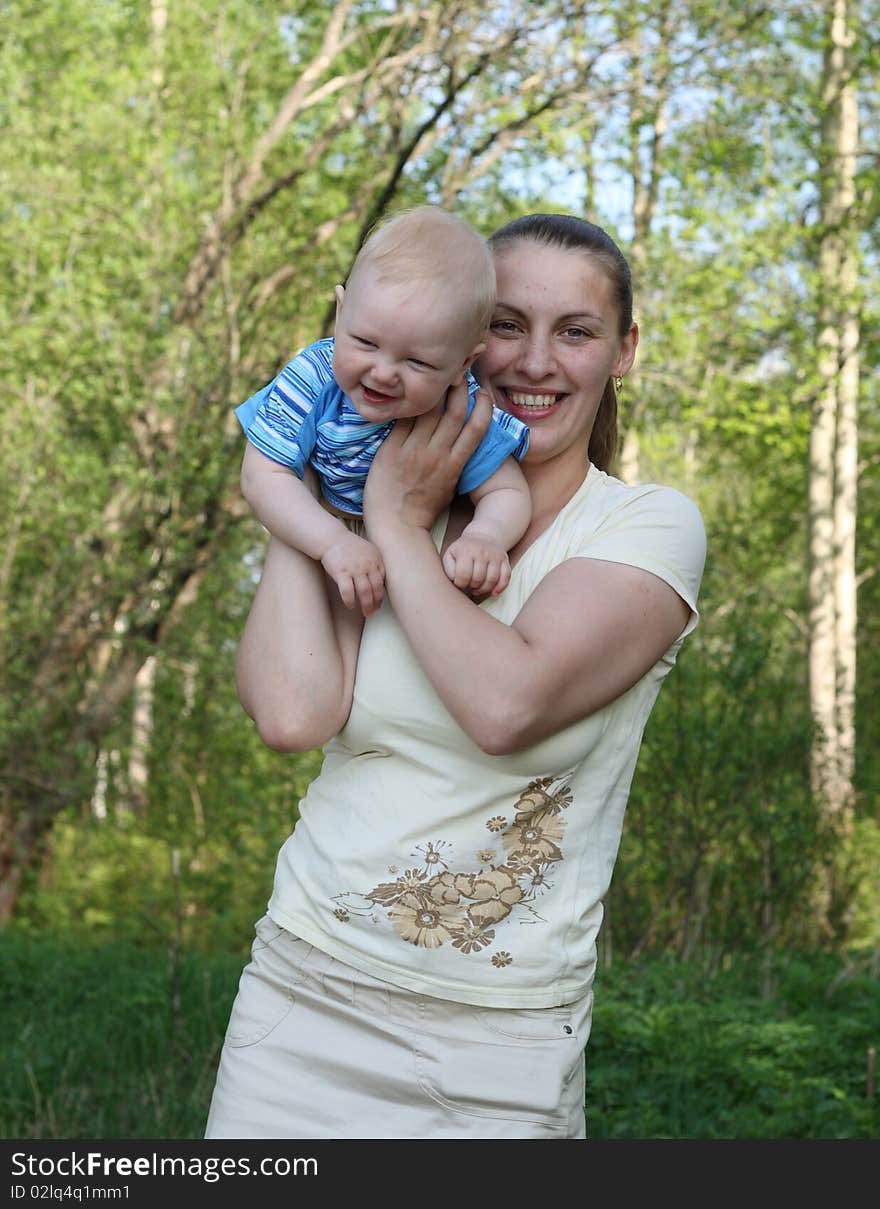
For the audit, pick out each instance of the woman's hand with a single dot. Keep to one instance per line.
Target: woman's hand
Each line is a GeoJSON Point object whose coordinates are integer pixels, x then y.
{"type": "Point", "coordinates": [414, 474]}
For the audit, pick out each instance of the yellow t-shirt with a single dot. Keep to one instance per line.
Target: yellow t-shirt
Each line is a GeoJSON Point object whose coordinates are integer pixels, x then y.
{"type": "Point", "coordinates": [425, 862]}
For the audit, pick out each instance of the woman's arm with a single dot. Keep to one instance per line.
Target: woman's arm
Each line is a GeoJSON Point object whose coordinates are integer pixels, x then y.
{"type": "Point", "coordinates": [298, 698]}
{"type": "Point", "coordinates": [298, 653]}
{"type": "Point", "coordinates": [589, 631]}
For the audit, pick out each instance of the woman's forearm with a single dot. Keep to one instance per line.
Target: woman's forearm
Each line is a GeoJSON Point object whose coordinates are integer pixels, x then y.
{"type": "Point", "coordinates": [477, 664]}
{"type": "Point", "coordinates": [473, 661]}
{"type": "Point", "coordinates": [297, 655]}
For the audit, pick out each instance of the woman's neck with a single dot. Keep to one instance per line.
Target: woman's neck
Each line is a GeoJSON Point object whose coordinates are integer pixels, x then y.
{"type": "Point", "coordinates": [552, 485]}
{"type": "Point", "coordinates": [551, 489]}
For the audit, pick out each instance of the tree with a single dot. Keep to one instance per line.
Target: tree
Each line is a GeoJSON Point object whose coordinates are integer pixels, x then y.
{"type": "Point", "coordinates": [167, 179]}
{"type": "Point", "coordinates": [182, 185]}
{"type": "Point", "coordinates": [834, 438]}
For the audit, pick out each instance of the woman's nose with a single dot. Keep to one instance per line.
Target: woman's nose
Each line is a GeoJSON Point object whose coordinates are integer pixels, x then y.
{"type": "Point", "coordinates": [536, 358]}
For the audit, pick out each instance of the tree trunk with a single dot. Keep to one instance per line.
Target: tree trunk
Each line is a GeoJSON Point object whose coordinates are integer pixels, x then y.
{"type": "Point", "coordinates": [833, 451]}
{"type": "Point", "coordinates": [141, 736]}
{"type": "Point", "coordinates": [647, 132]}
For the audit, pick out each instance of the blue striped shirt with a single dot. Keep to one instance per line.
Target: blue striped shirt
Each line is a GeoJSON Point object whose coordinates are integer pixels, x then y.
{"type": "Point", "coordinates": [303, 418]}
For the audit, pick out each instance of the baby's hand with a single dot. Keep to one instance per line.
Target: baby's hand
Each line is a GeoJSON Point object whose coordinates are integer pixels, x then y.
{"type": "Point", "coordinates": [355, 566]}
{"type": "Point", "coordinates": [477, 565]}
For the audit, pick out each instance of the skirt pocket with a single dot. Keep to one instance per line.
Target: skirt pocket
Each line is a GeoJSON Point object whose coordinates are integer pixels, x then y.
{"type": "Point", "coordinates": [266, 991]}
{"type": "Point", "coordinates": [524, 1065]}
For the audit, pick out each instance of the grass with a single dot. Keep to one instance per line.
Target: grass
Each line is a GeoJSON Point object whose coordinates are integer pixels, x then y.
{"type": "Point", "coordinates": [122, 1042]}
{"type": "Point", "coordinates": [109, 1042]}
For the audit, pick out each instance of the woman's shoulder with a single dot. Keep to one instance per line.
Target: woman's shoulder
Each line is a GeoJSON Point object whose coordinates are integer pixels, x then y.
{"type": "Point", "coordinates": [605, 500]}
{"type": "Point", "coordinates": [650, 525]}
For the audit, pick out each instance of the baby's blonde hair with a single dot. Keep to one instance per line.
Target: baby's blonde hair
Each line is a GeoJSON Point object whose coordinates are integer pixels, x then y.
{"type": "Point", "coordinates": [429, 245]}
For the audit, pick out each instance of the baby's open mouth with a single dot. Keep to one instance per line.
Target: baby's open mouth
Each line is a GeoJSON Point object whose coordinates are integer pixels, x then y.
{"type": "Point", "coordinates": [376, 396]}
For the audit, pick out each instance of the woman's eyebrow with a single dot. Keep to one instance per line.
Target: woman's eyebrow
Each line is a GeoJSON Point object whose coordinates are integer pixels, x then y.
{"type": "Point", "coordinates": [506, 306]}
{"type": "Point", "coordinates": [567, 318]}
{"type": "Point", "coordinates": [591, 315]}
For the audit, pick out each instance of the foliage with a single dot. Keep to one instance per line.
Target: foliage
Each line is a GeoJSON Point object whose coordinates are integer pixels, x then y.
{"type": "Point", "coordinates": [680, 1053]}
{"type": "Point", "coordinates": [720, 839]}
{"type": "Point", "coordinates": [178, 202]}
{"type": "Point", "coordinates": [118, 1041]}
{"type": "Point", "coordinates": [179, 198]}
{"type": "Point", "coordinates": [192, 862]}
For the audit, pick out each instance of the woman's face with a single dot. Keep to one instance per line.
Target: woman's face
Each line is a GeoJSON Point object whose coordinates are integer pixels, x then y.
{"type": "Point", "coordinates": [554, 342]}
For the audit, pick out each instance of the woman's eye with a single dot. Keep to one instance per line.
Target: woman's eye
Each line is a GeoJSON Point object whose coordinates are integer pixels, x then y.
{"type": "Point", "coordinates": [504, 327]}
{"type": "Point", "coordinates": [576, 333]}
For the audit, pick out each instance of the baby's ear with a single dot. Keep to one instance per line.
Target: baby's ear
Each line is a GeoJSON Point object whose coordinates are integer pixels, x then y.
{"type": "Point", "coordinates": [467, 363]}
{"type": "Point", "coordinates": [339, 294]}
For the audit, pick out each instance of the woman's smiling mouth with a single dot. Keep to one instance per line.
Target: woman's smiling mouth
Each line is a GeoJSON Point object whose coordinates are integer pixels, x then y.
{"type": "Point", "coordinates": [530, 400]}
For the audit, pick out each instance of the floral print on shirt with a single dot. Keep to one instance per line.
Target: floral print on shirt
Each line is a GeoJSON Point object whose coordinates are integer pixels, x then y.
{"type": "Point", "coordinates": [431, 904]}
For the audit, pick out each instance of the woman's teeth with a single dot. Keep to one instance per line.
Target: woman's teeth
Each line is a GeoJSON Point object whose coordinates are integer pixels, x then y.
{"type": "Point", "coordinates": [531, 401]}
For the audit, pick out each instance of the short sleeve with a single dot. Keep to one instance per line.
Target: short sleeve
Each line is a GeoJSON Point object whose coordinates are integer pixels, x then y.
{"type": "Point", "coordinates": [657, 529]}
{"type": "Point", "coordinates": [506, 437]}
{"type": "Point", "coordinates": [280, 419]}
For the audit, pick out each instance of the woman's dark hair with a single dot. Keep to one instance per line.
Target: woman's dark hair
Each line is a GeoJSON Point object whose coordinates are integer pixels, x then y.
{"type": "Point", "coordinates": [567, 231]}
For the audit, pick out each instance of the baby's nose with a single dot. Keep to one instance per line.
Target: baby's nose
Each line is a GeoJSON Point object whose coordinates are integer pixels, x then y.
{"type": "Point", "coordinates": [385, 370]}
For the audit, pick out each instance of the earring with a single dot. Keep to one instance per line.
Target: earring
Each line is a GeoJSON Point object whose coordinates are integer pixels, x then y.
{"type": "Point", "coordinates": [618, 383]}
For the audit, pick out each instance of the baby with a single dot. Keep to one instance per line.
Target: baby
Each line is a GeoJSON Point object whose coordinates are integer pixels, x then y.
{"type": "Point", "coordinates": [409, 324]}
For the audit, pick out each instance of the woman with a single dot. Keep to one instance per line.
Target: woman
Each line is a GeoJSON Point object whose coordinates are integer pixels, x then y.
{"type": "Point", "coordinates": [426, 963]}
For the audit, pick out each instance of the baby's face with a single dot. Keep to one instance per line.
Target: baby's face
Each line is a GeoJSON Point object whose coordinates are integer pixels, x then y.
{"type": "Point", "coordinates": [399, 347]}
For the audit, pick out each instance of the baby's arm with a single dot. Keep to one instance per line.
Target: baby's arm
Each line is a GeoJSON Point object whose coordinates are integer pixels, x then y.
{"type": "Point", "coordinates": [477, 561]}
{"type": "Point", "coordinates": [289, 510]}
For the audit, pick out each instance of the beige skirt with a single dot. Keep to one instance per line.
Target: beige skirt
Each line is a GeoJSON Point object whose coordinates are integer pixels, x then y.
{"type": "Point", "coordinates": [316, 1049]}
